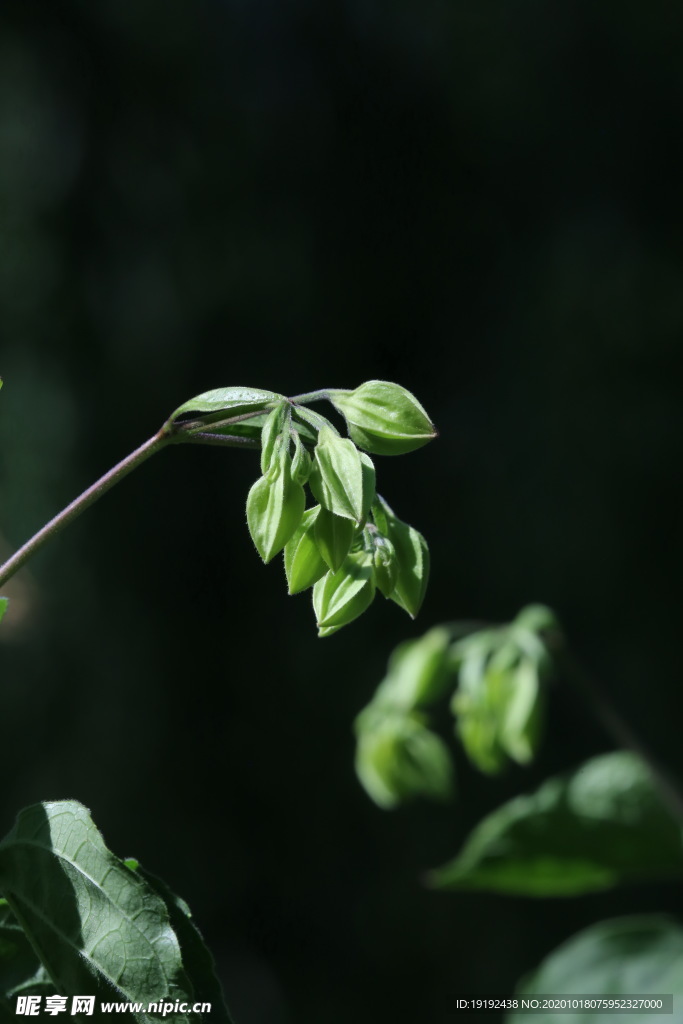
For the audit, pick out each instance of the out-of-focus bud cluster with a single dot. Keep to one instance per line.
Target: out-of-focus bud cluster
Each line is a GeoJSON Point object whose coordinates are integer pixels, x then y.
{"type": "Point", "coordinates": [398, 757]}
{"type": "Point", "coordinates": [350, 543]}
{"type": "Point", "coordinates": [499, 676]}
{"type": "Point", "coordinates": [499, 702]}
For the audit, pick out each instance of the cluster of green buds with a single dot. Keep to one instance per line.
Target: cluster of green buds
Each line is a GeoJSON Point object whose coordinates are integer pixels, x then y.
{"type": "Point", "coordinates": [498, 675]}
{"type": "Point", "coordinates": [349, 543]}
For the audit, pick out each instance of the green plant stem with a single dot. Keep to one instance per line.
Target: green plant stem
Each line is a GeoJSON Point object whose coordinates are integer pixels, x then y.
{"type": "Point", "coordinates": [82, 502]}
{"type": "Point", "coordinates": [221, 440]}
{"type": "Point", "coordinates": [182, 433]}
{"type": "Point", "coordinates": [620, 731]}
{"type": "Point", "coordinates": [311, 396]}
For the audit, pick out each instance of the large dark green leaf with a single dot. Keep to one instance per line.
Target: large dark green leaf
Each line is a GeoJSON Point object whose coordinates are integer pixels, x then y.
{"type": "Point", "coordinates": [98, 927]}
{"type": "Point", "coordinates": [197, 959]}
{"type": "Point", "coordinates": [603, 824]}
{"type": "Point", "coordinates": [628, 956]}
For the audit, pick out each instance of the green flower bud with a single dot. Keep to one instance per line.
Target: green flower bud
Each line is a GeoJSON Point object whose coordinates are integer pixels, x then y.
{"type": "Point", "coordinates": [270, 435]}
{"type": "Point", "coordinates": [412, 555]}
{"type": "Point", "coordinates": [275, 506]}
{"type": "Point", "coordinates": [337, 476]}
{"type": "Point", "coordinates": [302, 462]}
{"type": "Point", "coordinates": [383, 559]}
{"type": "Point", "coordinates": [333, 535]}
{"type": "Point", "coordinates": [400, 758]}
{"type": "Point", "coordinates": [369, 492]}
{"type": "Point", "coordinates": [341, 596]}
{"type": "Point", "coordinates": [384, 418]}
{"type": "Point", "coordinates": [304, 564]}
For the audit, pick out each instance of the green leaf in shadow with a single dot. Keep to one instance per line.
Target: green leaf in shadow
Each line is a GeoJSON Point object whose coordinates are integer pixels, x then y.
{"type": "Point", "coordinates": [594, 828]}
{"type": "Point", "coordinates": [630, 955]}
{"type": "Point", "coordinates": [20, 971]}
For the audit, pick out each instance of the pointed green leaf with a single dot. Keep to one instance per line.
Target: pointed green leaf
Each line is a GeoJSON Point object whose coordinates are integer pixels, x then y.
{"type": "Point", "coordinates": [99, 927]}
{"type": "Point", "coordinates": [384, 418]}
{"type": "Point", "coordinates": [412, 555]}
{"type": "Point", "coordinates": [400, 759]}
{"type": "Point", "coordinates": [337, 476]}
{"type": "Point", "coordinates": [616, 959]}
{"type": "Point", "coordinates": [594, 828]}
{"type": "Point", "coordinates": [304, 565]}
{"type": "Point", "coordinates": [333, 535]}
{"type": "Point", "coordinates": [224, 403]}
{"type": "Point", "coordinates": [341, 596]}
{"type": "Point", "coordinates": [275, 505]}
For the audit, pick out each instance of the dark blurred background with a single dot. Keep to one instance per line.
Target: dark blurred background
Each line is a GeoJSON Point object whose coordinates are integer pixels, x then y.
{"type": "Point", "coordinates": [481, 201]}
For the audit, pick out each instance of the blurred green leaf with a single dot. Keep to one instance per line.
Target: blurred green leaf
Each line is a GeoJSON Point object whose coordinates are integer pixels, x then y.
{"type": "Point", "coordinates": [4, 601]}
{"type": "Point", "coordinates": [384, 418]}
{"type": "Point", "coordinates": [479, 704]}
{"type": "Point", "coordinates": [500, 698]}
{"type": "Point", "coordinates": [99, 927]}
{"type": "Point", "coordinates": [398, 758]}
{"type": "Point", "coordinates": [418, 672]}
{"type": "Point", "coordinates": [627, 956]}
{"type": "Point", "coordinates": [598, 826]}
{"type": "Point", "coordinates": [521, 723]}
